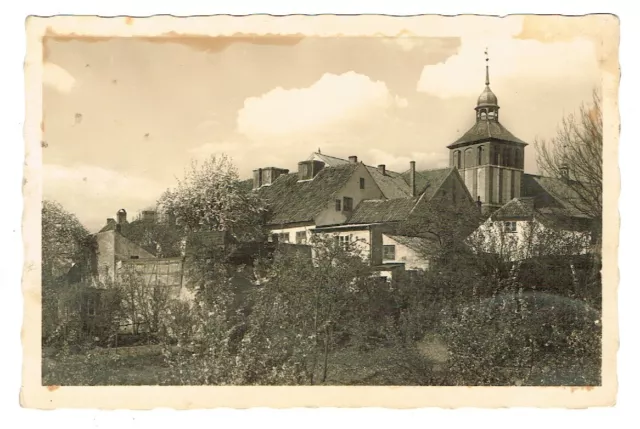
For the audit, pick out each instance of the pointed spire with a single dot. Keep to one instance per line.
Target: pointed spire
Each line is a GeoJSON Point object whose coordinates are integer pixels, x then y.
{"type": "Point", "coordinates": [486, 54]}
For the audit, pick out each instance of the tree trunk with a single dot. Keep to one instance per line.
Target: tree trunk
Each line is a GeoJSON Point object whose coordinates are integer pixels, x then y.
{"type": "Point", "coordinates": [326, 354]}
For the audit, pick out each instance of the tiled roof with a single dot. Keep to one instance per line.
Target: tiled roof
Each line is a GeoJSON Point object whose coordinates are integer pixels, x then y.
{"type": "Point", "coordinates": [376, 211]}
{"type": "Point", "coordinates": [485, 130]}
{"type": "Point", "coordinates": [554, 192]}
{"type": "Point", "coordinates": [292, 201]}
{"type": "Point", "coordinates": [391, 184]}
{"type": "Point", "coordinates": [517, 208]}
{"type": "Point", "coordinates": [331, 161]}
{"type": "Point", "coordinates": [428, 181]}
{"type": "Point", "coordinates": [415, 243]}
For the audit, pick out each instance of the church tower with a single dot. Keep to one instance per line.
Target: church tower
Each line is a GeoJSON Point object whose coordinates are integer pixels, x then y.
{"type": "Point", "coordinates": [489, 158]}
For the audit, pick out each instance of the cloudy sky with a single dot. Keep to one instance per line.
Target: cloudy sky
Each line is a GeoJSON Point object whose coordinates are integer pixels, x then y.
{"type": "Point", "coordinates": [124, 117]}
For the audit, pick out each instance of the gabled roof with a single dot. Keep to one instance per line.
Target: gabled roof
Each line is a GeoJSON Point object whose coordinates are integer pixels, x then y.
{"type": "Point", "coordinates": [486, 130]}
{"type": "Point", "coordinates": [291, 200]}
{"type": "Point", "coordinates": [391, 184]}
{"type": "Point", "coordinates": [428, 181]}
{"type": "Point", "coordinates": [554, 193]}
{"type": "Point", "coordinates": [517, 208]}
{"type": "Point", "coordinates": [330, 161]}
{"type": "Point", "coordinates": [526, 208]}
{"type": "Point", "coordinates": [378, 211]}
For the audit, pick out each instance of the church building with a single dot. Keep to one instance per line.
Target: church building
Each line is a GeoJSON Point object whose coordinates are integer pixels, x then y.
{"type": "Point", "coordinates": [490, 159]}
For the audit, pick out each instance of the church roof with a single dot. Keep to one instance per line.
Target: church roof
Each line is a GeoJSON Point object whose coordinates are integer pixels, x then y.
{"type": "Point", "coordinates": [486, 130]}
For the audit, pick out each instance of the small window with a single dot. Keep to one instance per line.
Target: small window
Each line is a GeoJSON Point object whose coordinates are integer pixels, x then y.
{"type": "Point", "coordinates": [348, 204]}
{"type": "Point", "coordinates": [301, 237]}
{"type": "Point", "coordinates": [510, 227]}
{"type": "Point", "coordinates": [344, 241]}
{"type": "Point", "coordinates": [135, 257]}
{"type": "Point", "coordinates": [338, 205]}
{"type": "Point", "coordinates": [389, 252]}
{"type": "Point", "coordinates": [283, 237]}
{"type": "Point", "coordinates": [361, 183]}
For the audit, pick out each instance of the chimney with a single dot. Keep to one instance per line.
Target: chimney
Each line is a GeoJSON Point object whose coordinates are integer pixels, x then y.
{"type": "Point", "coordinates": [111, 221]}
{"type": "Point", "coordinates": [412, 178]}
{"type": "Point", "coordinates": [149, 216]}
{"type": "Point", "coordinates": [257, 178]}
{"type": "Point", "coordinates": [382, 169]}
{"type": "Point", "coordinates": [353, 159]}
{"type": "Point", "coordinates": [122, 216]}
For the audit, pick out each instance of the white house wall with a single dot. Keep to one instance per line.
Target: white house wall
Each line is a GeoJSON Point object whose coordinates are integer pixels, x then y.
{"type": "Point", "coordinates": [490, 238]}
{"type": "Point", "coordinates": [406, 255]}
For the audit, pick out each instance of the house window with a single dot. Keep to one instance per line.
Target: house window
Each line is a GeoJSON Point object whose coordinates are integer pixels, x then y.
{"type": "Point", "coordinates": [510, 227]}
{"type": "Point", "coordinates": [389, 252]}
{"type": "Point", "coordinates": [348, 204]}
{"type": "Point", "coordinates": [361, 183]}
{"type": "Point", "coordinates": [338, 205]}
{"type": "Point", "coordinates": [301, 237]}
{"type": "Point", "coordinates": [283, 237]}
{"type": "Point", "coordinates": [344, 241]}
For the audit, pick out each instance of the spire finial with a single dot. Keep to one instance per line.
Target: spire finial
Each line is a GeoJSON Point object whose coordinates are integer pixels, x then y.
{"type": "Point", "coordinates": [486, 55]}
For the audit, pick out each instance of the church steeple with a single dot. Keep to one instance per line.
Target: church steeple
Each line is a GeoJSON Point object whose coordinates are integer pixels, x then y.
{"type": "Point", "coordinates": [487, 106]}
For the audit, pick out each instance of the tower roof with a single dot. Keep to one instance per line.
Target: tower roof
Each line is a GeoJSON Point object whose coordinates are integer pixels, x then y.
{"type": "Point", "coordinates": [487, 126]}
{"type": "Point", "coordinates": [486, 130]}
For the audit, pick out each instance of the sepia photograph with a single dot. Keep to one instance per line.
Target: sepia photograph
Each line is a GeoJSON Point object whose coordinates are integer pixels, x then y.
{"type": "Point", "coordinates": [378, 202]}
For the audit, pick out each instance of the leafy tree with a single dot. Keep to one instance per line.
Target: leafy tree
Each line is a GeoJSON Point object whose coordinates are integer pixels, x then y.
{"type": "Point", "coordinates": [211, 196]}
{"type": "Point", "coordinates": [67, 264]}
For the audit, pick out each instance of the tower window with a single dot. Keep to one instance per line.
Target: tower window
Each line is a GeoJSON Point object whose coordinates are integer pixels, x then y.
{"type": "Point", "coordinates": [516, 160]}
{"type": "Point", "coordinates": [480, 155]}
{"type": "Point", "coordinates": [457, 158]}
{"type": "Point", "coordinates": [496, 156]}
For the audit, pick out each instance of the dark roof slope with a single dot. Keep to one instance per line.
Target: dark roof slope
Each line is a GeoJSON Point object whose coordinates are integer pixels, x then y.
{"type": "Point", "coordinates": [428, 181]}
{"type": "Point", "coordinates": [486, 130]}
{"type": "Point", "coordinates": [292, 201]}
{"type": "Point", "coordinates": [376, 211]}
{"type": "Point", "coordinates": [553, 192]}
{"type": "Point", "coordinates": [517, 208]}
{"type": "Point", "coordinates": [391, 184]}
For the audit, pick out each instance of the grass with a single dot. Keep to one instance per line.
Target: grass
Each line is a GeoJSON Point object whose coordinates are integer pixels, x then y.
{"type": "Point", "coordinates": [146, 367]}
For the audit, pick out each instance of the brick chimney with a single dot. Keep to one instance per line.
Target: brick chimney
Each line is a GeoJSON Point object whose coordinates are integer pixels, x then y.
{"type": "Point", "coordinates": [122, 216]}
{"type": "Point", "coordinates": [382, 169]}
{"type": "Point", "coordinates": [412, 178]}
{"type": "Point", "coordinates": [353, 159]}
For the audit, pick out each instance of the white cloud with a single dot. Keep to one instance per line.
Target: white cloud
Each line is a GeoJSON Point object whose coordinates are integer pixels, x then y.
{"type": "Point", "coordinates": [57, 78]}
{"type": "Point", "coordinates": [333, 99]}
{"type": "Point", "coordinates": [95, 193]}
{"type": "Point", "coordinates": [463, 74]}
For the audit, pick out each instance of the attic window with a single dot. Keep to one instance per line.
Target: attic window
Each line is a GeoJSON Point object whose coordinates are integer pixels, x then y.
{"type": "Point", "coordinates": [361, 183]}
{"type": "Point", "coordinates": [135, 257]}
{"type": "Point", "coordinates": [348, 204]}
{"type": "Point", "coordinates": [338, 205]}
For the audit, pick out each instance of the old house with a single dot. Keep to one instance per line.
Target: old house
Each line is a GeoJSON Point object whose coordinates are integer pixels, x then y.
{"type": "Point", "coordinates": [360, 204]}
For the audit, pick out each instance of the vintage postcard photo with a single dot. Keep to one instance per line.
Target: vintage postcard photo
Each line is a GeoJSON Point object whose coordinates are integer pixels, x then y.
{"type": "Point", "coordinates": [338, 211]}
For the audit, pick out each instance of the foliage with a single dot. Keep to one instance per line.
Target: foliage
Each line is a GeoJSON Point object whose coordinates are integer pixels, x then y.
{"type": "Point", "coordinates": [523, 338]}
{"type": "Point", "coordinates": [211, 196]}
